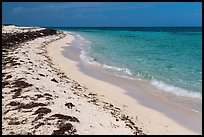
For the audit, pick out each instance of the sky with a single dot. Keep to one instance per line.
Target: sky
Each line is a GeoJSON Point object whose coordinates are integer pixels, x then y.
{"type": "Point", "coordinates": [102, 14]}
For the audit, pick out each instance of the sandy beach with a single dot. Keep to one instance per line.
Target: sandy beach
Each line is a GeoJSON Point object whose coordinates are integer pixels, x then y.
{"type": "Point", "coordinates": [141, 110]}
{"type": "Point", "coordinates": [39, 99]}
{"type": "Point", "coordinates": [48, 90]}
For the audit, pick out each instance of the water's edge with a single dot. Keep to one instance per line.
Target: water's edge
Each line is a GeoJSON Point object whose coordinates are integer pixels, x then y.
{"type": "Point", "coordinates": [176, 107]}
{"type": "Point", "coordinates": [126, 73]}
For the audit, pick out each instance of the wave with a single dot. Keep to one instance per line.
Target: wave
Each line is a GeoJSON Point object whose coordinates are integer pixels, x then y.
{"type": "Point", "coordinates": [126, 73]}
{"type": "Point", "coordinates": [175, 90]}
{"type": "Point", "coordinates": [124, 70]}
{"type": "Point", "coordinates": [83, 56]}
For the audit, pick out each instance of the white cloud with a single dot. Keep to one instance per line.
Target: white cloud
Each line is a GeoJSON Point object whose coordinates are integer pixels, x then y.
{"type": "Point", "coordinates": [18, 9]}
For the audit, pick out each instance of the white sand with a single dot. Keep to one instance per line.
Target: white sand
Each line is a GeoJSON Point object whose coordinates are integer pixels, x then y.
{"type": "Point", "coordinates": [94, 116]}
{"type": "Point", "coordinates": [16, 29]}
{"type": "Point", "coordinates": [100, 107]}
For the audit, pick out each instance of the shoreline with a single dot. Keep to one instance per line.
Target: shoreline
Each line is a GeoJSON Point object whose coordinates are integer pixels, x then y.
{"type": "Point", "coordinates": [127, 73]}
{"type": "Point", "coordinates": [82, 72]}
{"type": "Point", "coordinates": [45, 92]}
{"type": "Point", "coordinates": [39, 99]}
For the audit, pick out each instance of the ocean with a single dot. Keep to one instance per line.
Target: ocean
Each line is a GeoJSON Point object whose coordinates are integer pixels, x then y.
{"type": "Point", "coordinates": [170, 58]}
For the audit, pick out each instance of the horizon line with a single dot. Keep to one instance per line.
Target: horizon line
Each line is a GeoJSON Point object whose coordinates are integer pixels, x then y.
{"type": "Point", "coordinates": [7, 24]}
{"type": "Point", "coordinates": [118, 27]}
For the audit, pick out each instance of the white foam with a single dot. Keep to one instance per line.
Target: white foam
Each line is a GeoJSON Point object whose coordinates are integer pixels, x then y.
{"type": "Point", "coordinates": [125, 70]}
{"type": "Point", "coordinates": [158, 84]}
{"type": "Point", "coordinates": [88, 41]}
{"type": "Point", "coordinates": [175, 90]}
{"type": "Point", "coordinates": [79, 36]}
{"type": "Point", "coordinates": [83, 56]}
{"type": "Point", "coordinates": [69, 32]}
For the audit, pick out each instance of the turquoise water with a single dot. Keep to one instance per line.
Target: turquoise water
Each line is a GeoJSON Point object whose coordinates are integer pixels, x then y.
{"type": "Point", "coordinates": [171, 58]}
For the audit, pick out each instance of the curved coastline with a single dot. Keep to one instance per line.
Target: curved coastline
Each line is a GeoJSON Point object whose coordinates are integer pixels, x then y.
{"type": "Point", "coordinates": [81, 43]}
{"type": "Point", "coordinates": [38, 98]}
{"type": "Point", "coordinates": [156, 101]}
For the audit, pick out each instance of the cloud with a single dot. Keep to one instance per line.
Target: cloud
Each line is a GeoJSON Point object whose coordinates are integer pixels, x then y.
{"type": "Point", "coordinates": [105, 7]}
{"type": "Point", "coordinates": [72, 5]}
{"type": "Point", "coordinates": [79, 10]}
{"type": "Point", "coordinates": [91, 16]}
{"type": "Point", "coordinates": [86, 6]}
{"type": "Point", "coordinates": [18, 9]}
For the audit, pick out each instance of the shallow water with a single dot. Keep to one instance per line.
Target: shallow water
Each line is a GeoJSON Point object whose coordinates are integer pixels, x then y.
{"type": "Point", "coordinates": [171, 58]}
